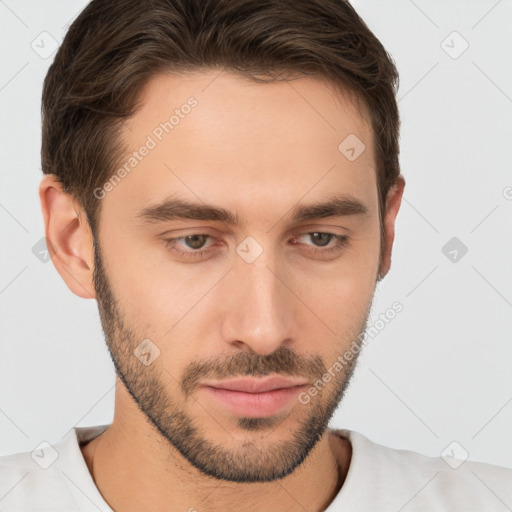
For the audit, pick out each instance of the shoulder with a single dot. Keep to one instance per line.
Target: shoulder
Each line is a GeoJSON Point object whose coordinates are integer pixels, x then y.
{"type": "Point", "coordinates": [50, 477]}
{"type": "Point", "coordinates": [399, 477]}
{"type": "Point", "coordinates": [24, 478]}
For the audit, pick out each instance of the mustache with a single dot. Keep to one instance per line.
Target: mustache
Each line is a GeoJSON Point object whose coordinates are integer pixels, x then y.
{"type": "Point", "coordinates": [282, 361]}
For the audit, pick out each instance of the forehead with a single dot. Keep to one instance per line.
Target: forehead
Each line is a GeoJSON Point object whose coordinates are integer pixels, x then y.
{"type": "Point", "coordinates": [218, 137]}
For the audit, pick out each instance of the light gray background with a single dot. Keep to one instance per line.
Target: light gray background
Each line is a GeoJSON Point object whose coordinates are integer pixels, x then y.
{"type": "Point", "coordinates": [439, 372]}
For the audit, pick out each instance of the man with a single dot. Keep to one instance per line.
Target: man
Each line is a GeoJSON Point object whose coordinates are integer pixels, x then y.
{"type": "Point", "coordinates": [222, 176]}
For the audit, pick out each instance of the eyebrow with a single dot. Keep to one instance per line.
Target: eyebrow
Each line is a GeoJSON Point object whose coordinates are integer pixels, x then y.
{"type": "Point", "coordinates": [179, 209]}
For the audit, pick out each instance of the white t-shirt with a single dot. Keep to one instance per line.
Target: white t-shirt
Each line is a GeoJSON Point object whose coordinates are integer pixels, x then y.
{"type": "Point", "coordinates": [56, 478]}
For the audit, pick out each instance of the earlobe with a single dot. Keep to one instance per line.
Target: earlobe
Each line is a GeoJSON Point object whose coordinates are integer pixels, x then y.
{"type": "Point", "coordinates": [69, 237]}
{"type": "Point", "coordinates": [393, 201]}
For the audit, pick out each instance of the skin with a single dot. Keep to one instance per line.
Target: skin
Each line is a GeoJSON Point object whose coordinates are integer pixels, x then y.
{"type": "Point", "coordinates": [257, 150]}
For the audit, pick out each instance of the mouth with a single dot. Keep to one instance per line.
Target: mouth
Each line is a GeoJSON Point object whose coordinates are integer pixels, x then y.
{"type": "Point", "coordinates": [255, 398]}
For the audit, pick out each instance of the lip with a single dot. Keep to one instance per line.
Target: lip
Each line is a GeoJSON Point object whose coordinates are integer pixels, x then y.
{"type": "Point", "coordinates": [255, 398]}
{"type": "Point", "coordinates": [260, 385]}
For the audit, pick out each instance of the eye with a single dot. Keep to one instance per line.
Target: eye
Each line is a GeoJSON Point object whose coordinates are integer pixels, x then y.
{"type": "Point", "coordinates": [322, 239]}
{"type": "Point", "coordinates": [194, 242]}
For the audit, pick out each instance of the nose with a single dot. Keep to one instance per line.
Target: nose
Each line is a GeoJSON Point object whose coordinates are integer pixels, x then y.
{"type": "Point", "coordinates": [260, 312]}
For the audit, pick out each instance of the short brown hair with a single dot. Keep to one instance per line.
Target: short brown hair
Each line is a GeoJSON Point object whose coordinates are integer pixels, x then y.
{"type": "Point", "coordinates": [115, 46]}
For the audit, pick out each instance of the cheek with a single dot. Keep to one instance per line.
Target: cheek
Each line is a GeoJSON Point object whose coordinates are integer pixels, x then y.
{"type": "Point", "coordinates": [340, 296]}
{"type": "Point", "coordinates": [342, 305]}
{"type": "Point", "coordinates": [161, 300]}
{"type": "Point", "coordinates": [151, 293]}
{"type": "Point", "coordinates": [341, 290]}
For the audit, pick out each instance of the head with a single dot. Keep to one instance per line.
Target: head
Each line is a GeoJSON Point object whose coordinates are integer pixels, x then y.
{"type": "Point", "coordinates": [223, 178]}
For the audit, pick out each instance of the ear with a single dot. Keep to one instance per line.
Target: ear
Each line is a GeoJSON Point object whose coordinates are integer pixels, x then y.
{"type": "Point", "coordinates": [393, 201]}
{"type": "Point", "coordinates": [69, 237]}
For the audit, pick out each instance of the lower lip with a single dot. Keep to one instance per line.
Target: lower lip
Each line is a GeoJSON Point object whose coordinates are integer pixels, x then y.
{"type": "Point", "coordinates": [254, 405]}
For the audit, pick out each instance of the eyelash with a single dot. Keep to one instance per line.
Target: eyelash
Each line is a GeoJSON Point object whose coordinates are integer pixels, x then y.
{"type": "Point", "coordinates": [341, 242]}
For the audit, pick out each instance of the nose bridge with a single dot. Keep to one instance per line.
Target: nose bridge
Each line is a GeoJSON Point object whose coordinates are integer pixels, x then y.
{"type": "Point", "coordinates": [261, 312]}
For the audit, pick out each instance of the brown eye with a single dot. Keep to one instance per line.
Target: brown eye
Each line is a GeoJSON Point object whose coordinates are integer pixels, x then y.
{"type": "Point", "coordinates": [321, 239]}
{"type": "Point", "coordinates": [195, 241]}
{"type": "Point", "coordinates": [190, 246]}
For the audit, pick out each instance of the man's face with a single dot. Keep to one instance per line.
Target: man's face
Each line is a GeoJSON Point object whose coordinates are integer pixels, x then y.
{"type": "Point", "coordinates": [270, 295]}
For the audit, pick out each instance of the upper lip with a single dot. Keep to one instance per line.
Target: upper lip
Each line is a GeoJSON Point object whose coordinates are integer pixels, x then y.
{"type": "Point", "coordinates": [259, 385]}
